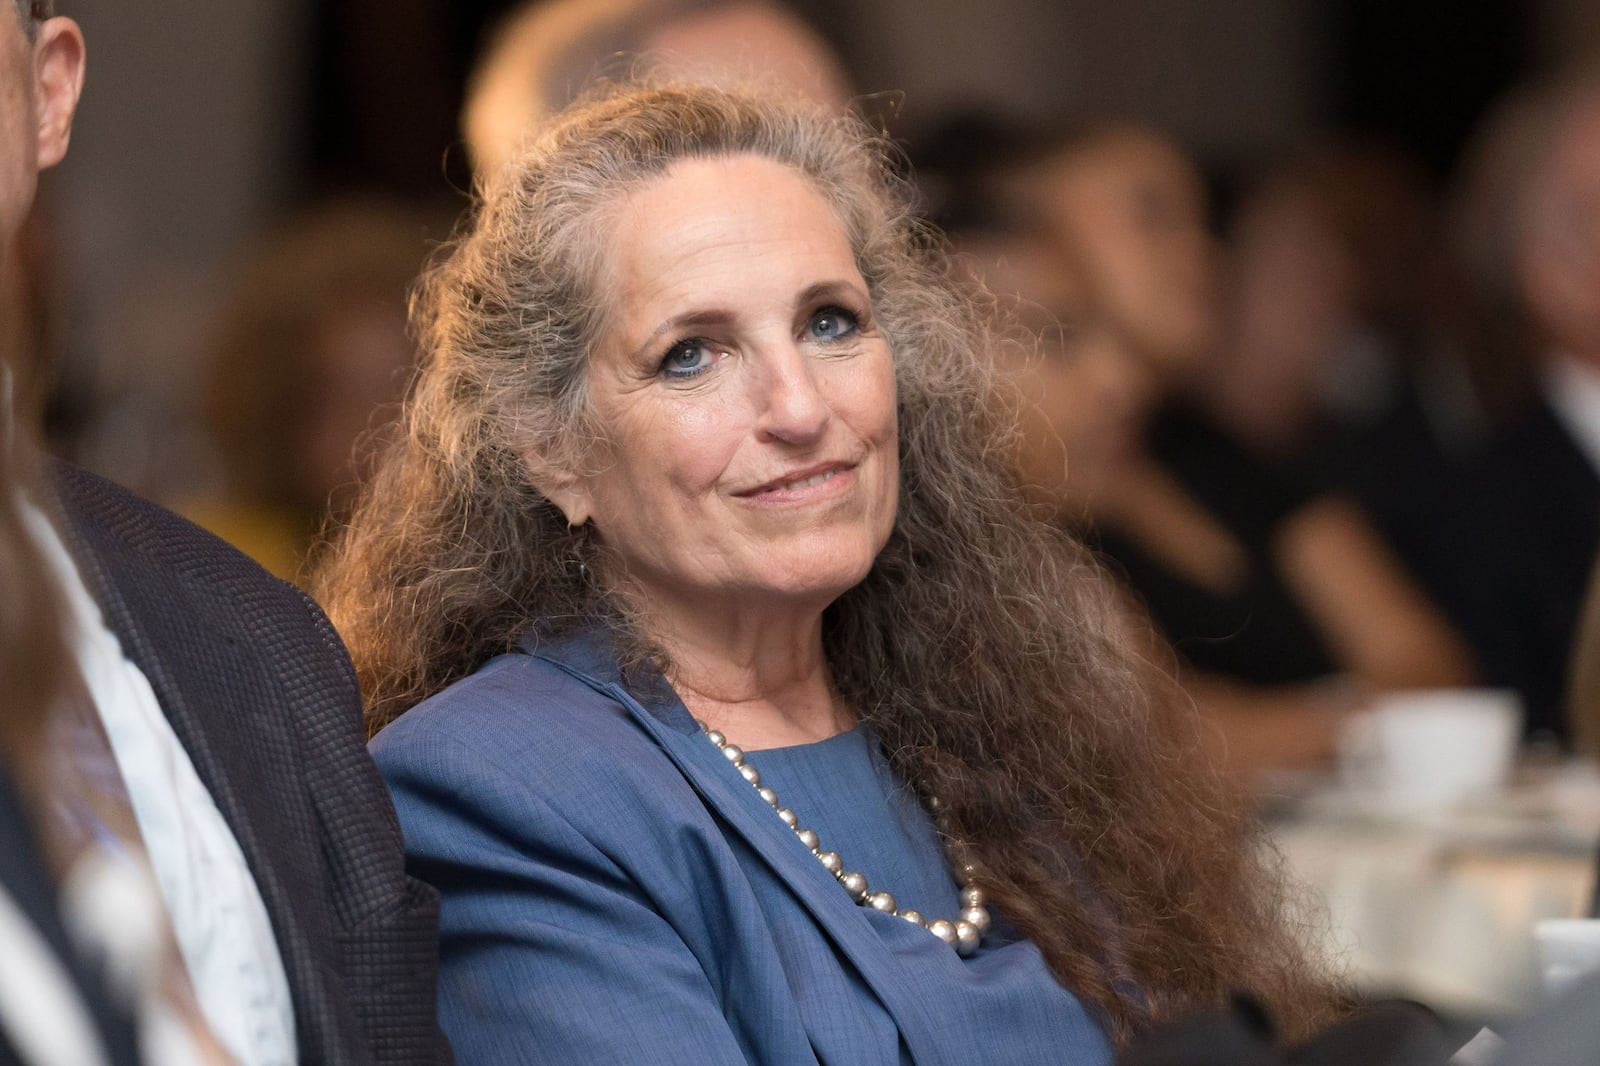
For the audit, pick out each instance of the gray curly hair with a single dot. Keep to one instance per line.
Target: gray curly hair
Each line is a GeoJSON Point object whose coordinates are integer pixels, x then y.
{"type": "Point", "coordinates": [986, 650]}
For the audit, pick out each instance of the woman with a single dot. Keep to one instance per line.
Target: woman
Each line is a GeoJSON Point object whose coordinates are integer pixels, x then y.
{"type": "Point", "coordinates": [1287, 606]}
{"type": "Point", "coordinates": [703, 433]}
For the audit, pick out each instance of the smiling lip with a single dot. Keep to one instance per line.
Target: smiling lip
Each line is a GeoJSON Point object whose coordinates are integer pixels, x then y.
{"type": "Point", "coordinates": [800, 484]}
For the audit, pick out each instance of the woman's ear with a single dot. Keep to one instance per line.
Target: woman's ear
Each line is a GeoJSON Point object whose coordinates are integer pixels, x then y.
{"type": "Point", "coordinates": [561, 487]}
{"type": "Point", "coordinates": [58, 74]}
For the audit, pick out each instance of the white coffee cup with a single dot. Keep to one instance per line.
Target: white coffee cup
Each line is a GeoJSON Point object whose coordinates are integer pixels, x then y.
{"type": "Point", "coordinates": [1430, 749]}
{"type": "Point", "coordinates": [1568, 948]}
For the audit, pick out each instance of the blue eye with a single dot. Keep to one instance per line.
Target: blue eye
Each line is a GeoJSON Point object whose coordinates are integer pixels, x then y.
{"type": "Point", "coordinates": [832, 324]}
{"type": "Point", "coordinates": [688, 358]}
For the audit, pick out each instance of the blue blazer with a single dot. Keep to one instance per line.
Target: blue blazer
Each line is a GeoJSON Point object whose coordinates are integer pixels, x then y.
{"type": "Point", "coordinates": [614, 892]}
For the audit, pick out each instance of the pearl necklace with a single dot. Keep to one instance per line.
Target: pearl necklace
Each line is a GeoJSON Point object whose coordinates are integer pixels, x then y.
{"type": "Point", "coordinates": [964, 933]}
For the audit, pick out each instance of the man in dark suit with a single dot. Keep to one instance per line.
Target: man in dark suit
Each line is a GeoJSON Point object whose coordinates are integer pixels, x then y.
{"type": "Point", "coordinates": [1555, 454]}
{"type": "Point", "coordinates": [259, 692]}
{"type": "Point", "coordinates": [1510, 555]}
{"type": "Point", "coordinates": [254, 717]}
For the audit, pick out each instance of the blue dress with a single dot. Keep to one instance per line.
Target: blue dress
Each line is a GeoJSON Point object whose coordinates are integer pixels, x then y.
{"type": "Point", "coordinates": [613, 891]}
{"type": "Point", "coordinates": [843, 788]}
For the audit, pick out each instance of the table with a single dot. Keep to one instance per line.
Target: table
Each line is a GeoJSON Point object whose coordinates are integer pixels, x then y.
{"type": "Point", "coordinates": [1439, 906]}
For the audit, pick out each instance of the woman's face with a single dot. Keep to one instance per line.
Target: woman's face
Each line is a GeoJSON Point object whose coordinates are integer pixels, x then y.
{"type": "Point", "coordinates": [1291, 308]}
{"type": "Point", "coordinates": [745, 393]}
{"type": "Point", "coordinates": [1133, 209]}
{"type": "Point", "coordinates": [1085, 392]}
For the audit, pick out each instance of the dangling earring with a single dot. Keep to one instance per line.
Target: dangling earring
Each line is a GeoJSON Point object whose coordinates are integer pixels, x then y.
{"type": "Point", "coordinates": [575, 551]}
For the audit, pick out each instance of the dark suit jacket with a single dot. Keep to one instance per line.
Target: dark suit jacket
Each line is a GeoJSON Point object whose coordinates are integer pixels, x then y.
{"type": "Point", "coordinates": [261, 693]}
{"type": "Point", "coordinates": [1535, 532]}
{"type": "Point", "coordinates": [1503, 542]}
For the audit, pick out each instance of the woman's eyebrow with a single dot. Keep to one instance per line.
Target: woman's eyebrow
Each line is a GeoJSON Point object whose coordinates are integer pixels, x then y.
{"type": "Point", "coordinates": [707, 317]}
{"type": "Point", "coordinates": [825, 288]}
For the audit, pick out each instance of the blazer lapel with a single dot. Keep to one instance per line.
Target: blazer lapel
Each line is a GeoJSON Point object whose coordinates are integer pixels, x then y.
{"type": "Point", "coordinates": [728, 794]}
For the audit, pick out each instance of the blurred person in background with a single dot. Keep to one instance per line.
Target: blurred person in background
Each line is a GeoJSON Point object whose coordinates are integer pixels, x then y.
{"type": "Point", "coordinates": [1132, 208]}
{"type": "Point", "coordinates": [1527, 226]}
{"type": "Point", "coordinates": [1285, 607]}
{"type": "Point", "coordinates": [545, 53]}
{"type": "Point", "coordinates": [1344, 325]}
{"type": "Point", "coordinates": [217, 724]}
{"type": "Point", "coordinates": [309, 365]}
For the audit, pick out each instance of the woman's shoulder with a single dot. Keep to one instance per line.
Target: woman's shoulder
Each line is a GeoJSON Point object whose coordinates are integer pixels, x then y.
{"type": "Point", "coordinates": [514, 705]}
{"type": "Point", "coordinates": [534, 722]}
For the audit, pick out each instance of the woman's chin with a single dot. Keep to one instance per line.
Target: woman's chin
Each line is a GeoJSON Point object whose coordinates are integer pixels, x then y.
{"type": "Point", "coordinates": [805, 582]}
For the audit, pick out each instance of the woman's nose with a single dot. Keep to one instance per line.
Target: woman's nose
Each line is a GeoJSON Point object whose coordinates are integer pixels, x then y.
{"type": "Point", "coordinates": [794, 408]}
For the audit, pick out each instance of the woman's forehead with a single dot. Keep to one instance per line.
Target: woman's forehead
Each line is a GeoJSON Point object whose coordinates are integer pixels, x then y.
{"type": "Point", "coordinates": [735, 223]}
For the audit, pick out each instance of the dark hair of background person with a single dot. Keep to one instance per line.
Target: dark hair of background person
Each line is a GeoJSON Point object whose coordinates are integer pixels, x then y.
{"type": "Point", "coordinates": [958, 163]}
{"type": "Point", "coordinates": [987, 652]}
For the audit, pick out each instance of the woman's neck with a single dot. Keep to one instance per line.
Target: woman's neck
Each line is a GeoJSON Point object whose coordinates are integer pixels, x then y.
{"type": "Point", "coordinates": [761, 679]}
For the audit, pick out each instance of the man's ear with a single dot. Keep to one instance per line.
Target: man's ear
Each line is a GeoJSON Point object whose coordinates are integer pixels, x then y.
{"type": "Point", "coordinates": [58, 63]}
{"type": "Point", "coordinates": [561, 487]}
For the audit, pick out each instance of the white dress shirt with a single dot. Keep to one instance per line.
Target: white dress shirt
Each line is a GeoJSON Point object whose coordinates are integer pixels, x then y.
{"type": "Point", "coordinates": [1572, 389]}
{"type": "Point", "coordinates": [220, 922]}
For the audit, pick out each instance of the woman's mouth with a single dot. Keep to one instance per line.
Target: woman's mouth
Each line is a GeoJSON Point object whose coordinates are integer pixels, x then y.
{"type": "Point", "coordinates": [799, 483]}
{"type": "Point", "coordinates": [807, 482]}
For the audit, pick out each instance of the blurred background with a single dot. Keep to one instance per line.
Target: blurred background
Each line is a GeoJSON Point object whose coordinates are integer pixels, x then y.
{"type": "Point", "coordinates": [1334, 480]}
{"type": "Point", "coordinates": [206, 126]}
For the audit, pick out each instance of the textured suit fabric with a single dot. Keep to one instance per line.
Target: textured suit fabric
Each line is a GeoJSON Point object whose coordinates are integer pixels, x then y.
{"type": "Point", "coordinates": [23, 878]}
{"type": "Point", "coordinates": [614, 891]}
{"type": "Point", "coordinates": [261, 693]}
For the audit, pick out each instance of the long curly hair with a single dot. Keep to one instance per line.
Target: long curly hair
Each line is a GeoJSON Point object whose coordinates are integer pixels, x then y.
{"type": "Point", "coordinates": [987, 651]}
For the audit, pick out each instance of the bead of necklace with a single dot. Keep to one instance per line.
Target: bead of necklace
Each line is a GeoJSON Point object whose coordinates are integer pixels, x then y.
{"type": "Point", "coordinates": [963, 933]}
